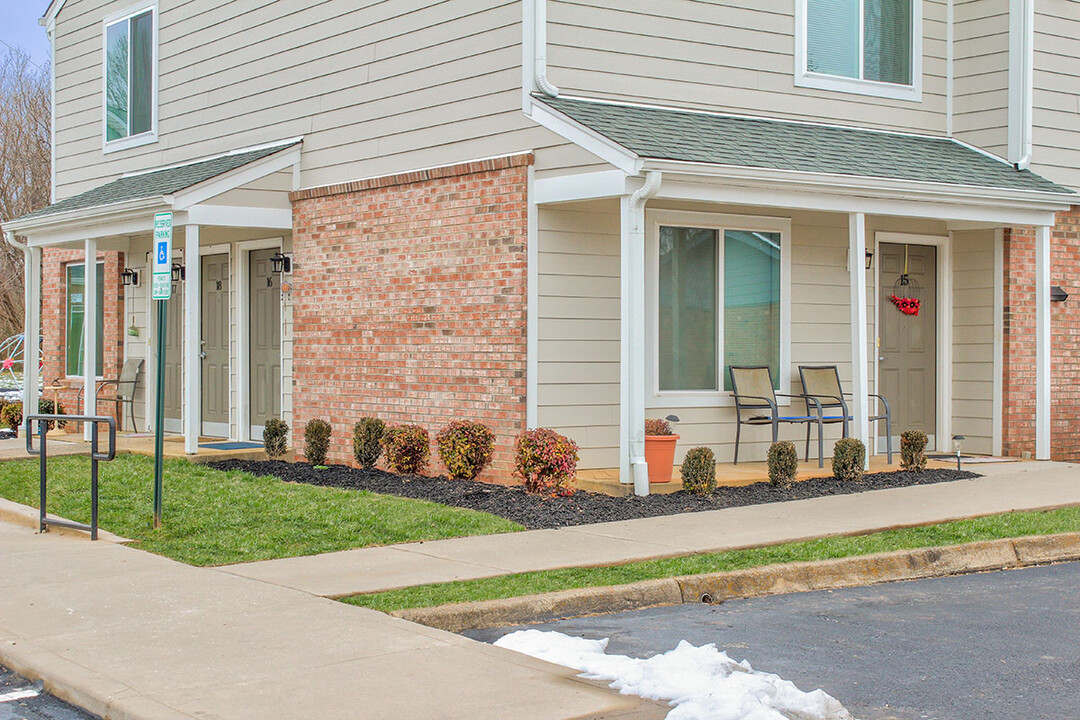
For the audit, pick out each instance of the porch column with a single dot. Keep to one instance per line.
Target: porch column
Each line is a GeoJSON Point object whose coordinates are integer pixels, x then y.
{"type": "Point", "coordinates": [1042, 343]}
{"type": "Point", "coordinates": [31, 327]}
{"type": "Point", "coordinates": [192, 341]}
{"type": "Point", "coordinates": [860, 426]}
{"type": "Point", "coordinates": [90, 313]}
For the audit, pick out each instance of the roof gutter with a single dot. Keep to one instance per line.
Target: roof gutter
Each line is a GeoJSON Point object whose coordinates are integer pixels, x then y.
{"type": "Point", "coordinates": [1021, 81]}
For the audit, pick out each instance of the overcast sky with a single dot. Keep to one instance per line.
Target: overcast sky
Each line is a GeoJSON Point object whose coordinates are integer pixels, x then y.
{"type": "Point", "coordinates": [19, 28]}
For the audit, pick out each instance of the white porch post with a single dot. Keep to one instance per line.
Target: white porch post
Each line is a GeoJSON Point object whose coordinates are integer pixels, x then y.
{"type": "Point", "coordinates": [31, 328]}
{"type": "Point", "coordinates": [90, 313]}
{"type": "Point", "coordinates": [192, 341]}
{"type": "Point", "coordinates": [1042, 343]}
{"type": "Point", "coordinates": [632, 337]}
{"type": "Point", "coordinates": [860, 426]}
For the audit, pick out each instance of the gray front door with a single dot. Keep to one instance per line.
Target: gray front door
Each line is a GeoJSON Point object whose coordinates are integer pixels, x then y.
{"type": "Point", "coordinates": [907, 358]}
{"type": "Point", "coordinates": [174, 358]}
{"type": "Point", "coordinates": [264, 340]}
{"type": "Point", "coordinates": [215, 345]}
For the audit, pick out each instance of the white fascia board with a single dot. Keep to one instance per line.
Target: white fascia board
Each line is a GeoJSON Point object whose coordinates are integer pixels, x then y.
{"type": "Point", "coordinates": [240, 216]}
{"type": "Point", "coordinates": [233, 179]}
{"type": "Point", "coordinates": [49, 18]}
{"type": "Point", "coordinates": [603, 147]}
{"type": "Point", "coordinates": [804, 199]}
{"type": "Point", "coordinates": [120, 227]}
{"type": "Point", "coordinates": [32, 227]}
{"type": "Point", "coordinates": [583, 186]}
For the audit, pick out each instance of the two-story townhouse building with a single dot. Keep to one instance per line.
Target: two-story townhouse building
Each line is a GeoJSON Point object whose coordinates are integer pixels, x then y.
{"type": "Point", "coordinates": [569, 214]}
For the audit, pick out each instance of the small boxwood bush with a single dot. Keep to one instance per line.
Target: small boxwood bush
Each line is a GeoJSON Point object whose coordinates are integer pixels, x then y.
{"type": "Point", "coordinates": [913, 450]}
{"type": "Point", "coordinates": [783, 463]}
{"type": "Point", "coordinates": [406, 448]}
{"type": "Point", "coordinates": [12, 415]}
{"type": "Point", "coordinates": [849, 455]}
{"type": "Point", "coordinates": [275, 438]}
{"type": "Point", "coordinates": [699, 471]}
{"type": "Point", "coordinates": [465, 448]}
{"type": "Point", "coordinates": [367, 438]}
{"type": "Point", "coordinates": [317, 440]}
{"type": "Point", "coordinates": [546, 461]}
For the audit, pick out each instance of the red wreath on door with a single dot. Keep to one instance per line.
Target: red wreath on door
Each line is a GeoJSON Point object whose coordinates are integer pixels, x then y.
{"type": "Point", "coordinates": [906, 305]}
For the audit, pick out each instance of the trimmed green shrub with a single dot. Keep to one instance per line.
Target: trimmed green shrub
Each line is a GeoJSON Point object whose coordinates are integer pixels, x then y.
{"type": "Point", "coordinates": [546, 461]}
{"type": "Point", "coordinates": [317, 441]}
{"type": "Point", "coordinates": [699, 471]}
{"type": "Point", "coordinates": [12, 415]}
{"type": "Point", "coordinates": [406, 448]}
{"type": "Point", "coordinates": [276, 438]}
{"type": "Point", "coordinates": [367, 435]}
{"type": "Point", "coordinates": [849, 456]}
{"type": "Point", "coordinates": [465, 448]}
{"type": "Point", "coordinates": [783, 463]}
{"type": "Point", "coordinates": [913, 450]}
{"type": "Point", "coordinates": [45, 407]}
{"type": "Point", "coordinates": [657, 426]}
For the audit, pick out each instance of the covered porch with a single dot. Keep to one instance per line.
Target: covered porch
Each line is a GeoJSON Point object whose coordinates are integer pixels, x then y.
{"type": "Point", "coordinates": [228, 329]}
{"type": "Point", "coordinates": [712, 241]}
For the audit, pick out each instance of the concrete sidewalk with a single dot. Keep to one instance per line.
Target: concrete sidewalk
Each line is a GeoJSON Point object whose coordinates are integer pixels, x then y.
{"type": "Point", "coordinates": [131, 635]}
{"type": "Point", "coordinates": [1004, 487]}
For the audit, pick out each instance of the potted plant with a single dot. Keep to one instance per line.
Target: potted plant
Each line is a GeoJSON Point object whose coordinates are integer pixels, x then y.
{"type": "Point", "coordinates": [660, 442]}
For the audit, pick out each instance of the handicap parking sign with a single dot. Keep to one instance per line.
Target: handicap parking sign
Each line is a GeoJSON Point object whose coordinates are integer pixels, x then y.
{"type": "Point", "coordinates": [161, 279]}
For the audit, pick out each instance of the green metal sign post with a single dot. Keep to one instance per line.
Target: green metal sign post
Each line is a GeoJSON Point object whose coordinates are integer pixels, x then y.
{"type": "Point", "coordinates": [160, 291]}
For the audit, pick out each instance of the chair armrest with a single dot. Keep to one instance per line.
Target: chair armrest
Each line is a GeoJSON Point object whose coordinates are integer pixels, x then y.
{"type": "Point", "coordinates": [883, 402]}
{"type": "Point", "coordinates": [771, 403]}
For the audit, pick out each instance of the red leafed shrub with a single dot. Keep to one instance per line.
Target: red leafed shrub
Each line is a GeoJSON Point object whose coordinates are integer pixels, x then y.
{"type": "Point", "coordinates": [465, 448]}
{"type": "Point", "coordinates": [657, 426]}
{"type": "Point", "coordinates": [406, 448]}
{"type": "Point", "coordinates": [546, 461]}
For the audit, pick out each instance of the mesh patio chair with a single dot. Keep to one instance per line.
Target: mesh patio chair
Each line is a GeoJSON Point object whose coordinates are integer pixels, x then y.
{"type": "Point", "coordinates": [752, 388]}
{"type": "Point", "coordinates": [822, 382]}
{"type": "Point", "coordinates": [124, 391]}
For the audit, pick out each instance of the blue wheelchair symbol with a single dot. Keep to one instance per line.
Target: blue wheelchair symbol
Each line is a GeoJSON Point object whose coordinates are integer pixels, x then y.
{"type": "Point", "coordinates": [162, 253]}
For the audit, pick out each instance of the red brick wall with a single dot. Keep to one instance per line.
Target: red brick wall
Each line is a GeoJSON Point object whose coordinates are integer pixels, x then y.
{"type": "Point", "coordinates": [409, 298]}
{"type": "Point", "coordinates": [54, 322]}
{"type": "Point", "coordinates": [1018, 426]}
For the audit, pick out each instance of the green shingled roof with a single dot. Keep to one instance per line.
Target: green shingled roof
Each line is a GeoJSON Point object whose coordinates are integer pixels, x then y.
{"type": "Point", "coordinates": [157, 182]}
{"type": "Point", "coordinates": [775, 144]}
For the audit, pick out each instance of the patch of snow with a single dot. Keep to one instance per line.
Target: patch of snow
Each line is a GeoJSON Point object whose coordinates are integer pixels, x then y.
{"type": "Point", "coordinates": [702, 683]}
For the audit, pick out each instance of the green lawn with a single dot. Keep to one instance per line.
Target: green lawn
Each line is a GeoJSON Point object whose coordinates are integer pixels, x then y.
{"type": "Point", "coordinates": [987, 528]}
{"type": "Point", "coordinates": [214, 518]}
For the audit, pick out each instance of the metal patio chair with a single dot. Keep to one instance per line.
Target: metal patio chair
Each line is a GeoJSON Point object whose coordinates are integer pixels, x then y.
{"type": "Point", "coordinates": [752, 388]}
{"type": "Point", "coordinates": [124, 393]}
{"type": "Point", "coordinates": [822, 382]}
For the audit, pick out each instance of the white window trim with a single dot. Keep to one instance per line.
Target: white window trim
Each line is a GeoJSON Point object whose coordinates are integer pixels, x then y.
{"type": "Point", "coordinates": [81, 264]}
{"type": "Point", "coordinates": [150, 136]}
{"type": "Point", "coordinates": [719, 222]}
{"type": "Point", "coordinates": [838, 83]}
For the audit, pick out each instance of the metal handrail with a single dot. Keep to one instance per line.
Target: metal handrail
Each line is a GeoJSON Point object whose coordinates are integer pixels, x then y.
{"type": "Point", "coordinates": [44, 421]}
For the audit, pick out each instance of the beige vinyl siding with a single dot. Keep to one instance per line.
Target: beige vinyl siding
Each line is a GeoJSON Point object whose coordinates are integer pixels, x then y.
{"type": "Point", "coordinates": [730, 55]}
{"type": "Point", "coordinates": [981, 74]}
{"type": "Point", "coordinates": [375, 87]}
{"type": "Point", "coordinates": [973, 339]}
{"type": "Point", "coordinates": [1057, 91]}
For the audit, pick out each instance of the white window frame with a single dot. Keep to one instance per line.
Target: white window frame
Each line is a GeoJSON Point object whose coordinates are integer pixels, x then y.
{"type": "Point", "coordinates": [839, 83]}
{"type": "Point", "coordinates": [67, 310]}
{"type": "Point", "coordinates": [150, 136]}
{"type": "Point", "coordinates": [654, 219]}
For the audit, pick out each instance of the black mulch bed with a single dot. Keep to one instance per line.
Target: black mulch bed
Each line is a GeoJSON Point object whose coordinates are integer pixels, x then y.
{"type": "Point", "coordinates": [581, 508]}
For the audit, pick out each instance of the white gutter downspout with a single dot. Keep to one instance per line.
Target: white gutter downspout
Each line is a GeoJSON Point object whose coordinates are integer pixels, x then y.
{"type": "Point", "coordinates": [632, 375]}
{"type": "Point", "coordinates": [540, 78]}
{"type": "Point", "coordinates": [1021, 81]}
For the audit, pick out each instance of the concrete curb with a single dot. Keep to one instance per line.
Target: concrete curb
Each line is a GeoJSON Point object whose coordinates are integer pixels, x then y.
{"type": "Point", "coordinates": [753, 582]}
{"type": "Point", "coordinates": [26, 516]}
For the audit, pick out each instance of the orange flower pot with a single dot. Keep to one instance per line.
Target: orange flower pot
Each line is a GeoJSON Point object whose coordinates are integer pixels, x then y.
{"type": "Point", "coordinates": [660, 456]}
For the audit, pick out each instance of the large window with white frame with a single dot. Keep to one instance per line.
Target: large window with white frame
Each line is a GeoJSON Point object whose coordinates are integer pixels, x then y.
{"type": "Point", "coordinates": [130, 77]}
{"type": "Point", "coordinates": [872, 47]}
{"type": "Point", "coordinates": [75, 291]}
{"type": "Point", "coordinates": [719, 297]}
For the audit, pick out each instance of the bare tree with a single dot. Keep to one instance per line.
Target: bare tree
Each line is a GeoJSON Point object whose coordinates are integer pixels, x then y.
{"type": "Point", "coordinates": [25, 167]}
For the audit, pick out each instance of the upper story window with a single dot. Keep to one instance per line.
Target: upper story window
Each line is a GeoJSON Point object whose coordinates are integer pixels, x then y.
{"type": "Point", "coordinates": [130, 74]}
{"type": "Point", "coordinates": [872, 47]}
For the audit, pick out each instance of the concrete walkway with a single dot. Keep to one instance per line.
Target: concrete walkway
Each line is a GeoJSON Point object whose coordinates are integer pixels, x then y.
{"type": "Point", "coordinates": [131, 635]}
{"type": "Point", "coordinates": [1004, 487]}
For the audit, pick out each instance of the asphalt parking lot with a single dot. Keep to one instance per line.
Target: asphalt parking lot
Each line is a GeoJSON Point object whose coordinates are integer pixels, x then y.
{"type": "Point", "coordinates": [22, 700]}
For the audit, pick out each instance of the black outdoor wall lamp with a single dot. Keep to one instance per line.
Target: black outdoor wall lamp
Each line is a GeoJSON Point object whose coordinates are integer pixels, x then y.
{"type": "Point", "coordinates": [280, 263]}
{"type": "Point", "coordinates": [178, 272]}
{"type": "Point", "coordinates": [1058, 294]}
{"type": "Point", "coordinates": [130, 277]}
{"type": "Point", "coordinates": [869, 260]}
